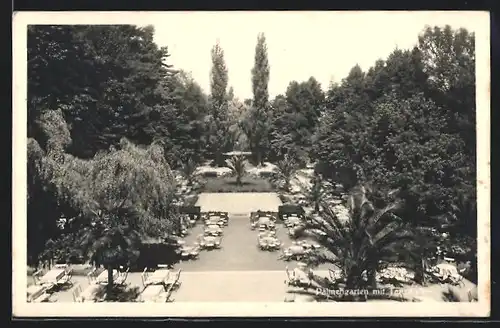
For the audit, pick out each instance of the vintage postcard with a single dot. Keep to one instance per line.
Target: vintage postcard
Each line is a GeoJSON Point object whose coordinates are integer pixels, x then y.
{"type": "Point", "coordinates": [239, 163]}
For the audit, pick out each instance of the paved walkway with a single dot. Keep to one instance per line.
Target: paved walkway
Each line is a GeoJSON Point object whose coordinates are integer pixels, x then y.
{"type": "Point", "coordinates": [211, 286]}
{"type": "Point", "coordinates": [244, 202]}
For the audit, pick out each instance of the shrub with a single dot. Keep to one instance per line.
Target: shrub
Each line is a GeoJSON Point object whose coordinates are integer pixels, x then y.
{"type": "Point", "coordinates": [209, 174]}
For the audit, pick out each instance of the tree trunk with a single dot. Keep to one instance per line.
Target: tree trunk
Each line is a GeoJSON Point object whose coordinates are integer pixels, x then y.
{"type": "Point", "coordinates": [372, 281]}
{"type": "Point", "coordinates": [219, 158]}
{"type": "Point", "coordinates": [238, 180]}
{"type": "Point", "coordinates": [259, 157]}
{"type": "Point", "coordinates": [353, 284]}
{"type": "Point", "coordinates": [110, 282]}
{"type": "Point", "coordinates": [316, 207]}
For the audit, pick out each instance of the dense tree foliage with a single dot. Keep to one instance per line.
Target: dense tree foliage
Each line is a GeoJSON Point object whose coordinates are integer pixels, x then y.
{"type": "Point", "coordinates": [88, 88]}
{"type": "Point", "coordinates": [256, 125]}
{"type": "Point", "coordinates": [370, 240]}
{"type": "Point", "coordinates": [219, 139]}
{"type": "Point", "coordinates": [408, 124]}
{"type": "Point", "coordinates": [118, 194]}
{"type": "Point", "coordinates": [108, 118]}
{"type": "Point", "coordinates": [295, 118]}
{"type": "Point", "coordinates": [109, 81]}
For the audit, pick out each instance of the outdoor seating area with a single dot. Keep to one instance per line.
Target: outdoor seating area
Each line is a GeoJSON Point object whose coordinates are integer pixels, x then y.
{"type": "Point", "coordinates": [38, 293]}
{"type": "Point", "coordinates": [298, 250]}
{"type": "Point", "coordinates": [156, 294]}
{"type": "Point", "coordinates": [446, 273]}
{"type": "Point", "coordinates": [97, 283]}
{"type": "Point", "coordinates": [46, 283]}
{"type": "Point", "coordinates": [395, 276]}
{"type": "Point", "coordinates": [300, 276]}
{"type": "Point", "coordinates": [265, 222]}
{"type": "Point", "coordinates": [302, 284]}
{"type": "Point", "coordinates": [216, 218]}
{"type": "Point", "coordinates": [209, 242]}
{"type": "Point", "coordinates": [269, 242]}
{"type": "Point", "coordinates": [209, 239]}
{"type": "Point", "coordinates": [189, 252]}
{"type": "Point", "coordinates": [159, 284]}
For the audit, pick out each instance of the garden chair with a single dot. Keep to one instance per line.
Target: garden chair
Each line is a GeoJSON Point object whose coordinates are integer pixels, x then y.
{"type": "Point", "coordinates": [77, 292]}
{"type": "Point", "coordinates": [302, 278]}
{"type": "Point", "coordinates": [122, 278]}
{"type": "Point", "coordinates": [168, 294]}
{"type": "Point", "coordinates": [66, 280]}
{"type": "Point", "coordinates": [45, 297]}
{"type": "Point", "coordinates": [36, 277]}
{"type": "Point", "coordinates": [144, 276]}
{"type": "Point", "coordinates": [289, 277]}
{"type": "Point", "coordinates": [173, 280]}
{"type": "Point", "coordinates": [334, 275]}
{"type": "Point", "coordinates": [92, 277]}
{"type": "Point", "coordinates": [39, 293]}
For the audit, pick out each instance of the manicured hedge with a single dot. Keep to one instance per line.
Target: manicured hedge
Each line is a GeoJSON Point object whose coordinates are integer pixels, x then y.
{"type": "Point", "coordinates": [226, 184]}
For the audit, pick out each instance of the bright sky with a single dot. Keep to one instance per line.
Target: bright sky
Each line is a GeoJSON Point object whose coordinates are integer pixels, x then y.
{"type": "Point", "coordinates": [325, 45]}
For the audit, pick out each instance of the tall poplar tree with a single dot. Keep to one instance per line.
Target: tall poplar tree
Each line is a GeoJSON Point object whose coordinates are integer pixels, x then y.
{"type": "Point", "coordinates": [256, 127]}
{"type": "Point", "coordinates": [217, 139]}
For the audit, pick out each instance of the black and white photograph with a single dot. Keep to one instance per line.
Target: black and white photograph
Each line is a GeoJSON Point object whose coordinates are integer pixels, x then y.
{"type": "Point", "coordinates": [234, 163]}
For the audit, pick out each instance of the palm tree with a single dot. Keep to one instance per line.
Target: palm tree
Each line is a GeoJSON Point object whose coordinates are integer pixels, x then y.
{"type": "Point", "coordinates": [370, 239]}
{"type": "Point", "coordinates": [238, 167]}
{"type": "Point", "coordinates": [111, 239]}
{"type": "Point", "coordinates": [286, 169]}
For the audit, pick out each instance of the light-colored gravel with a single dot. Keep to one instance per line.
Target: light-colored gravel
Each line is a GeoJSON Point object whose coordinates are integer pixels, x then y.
{"type": "Point", "coordinates": [238, 202]}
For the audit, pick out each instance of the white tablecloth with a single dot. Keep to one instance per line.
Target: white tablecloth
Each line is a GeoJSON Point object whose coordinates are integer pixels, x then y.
{"type": "Point", "coordinates": [158, 277]}
{"type": "Point", "coordinates": [53, 276]}
{"type": "Point", "coordinates": [295, 249]}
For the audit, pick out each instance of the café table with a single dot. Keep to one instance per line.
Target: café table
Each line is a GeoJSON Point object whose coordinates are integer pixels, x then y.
{"type": "Point", "coordinates": [296, 250]}
{"type": "Point", "coordinates": [209, 241]}
{"type": "Point", "coordinates": [157, 277]}
{"type": "Point", "coordinates": [53, 276]}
